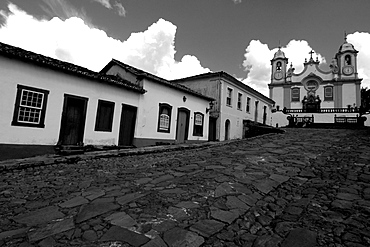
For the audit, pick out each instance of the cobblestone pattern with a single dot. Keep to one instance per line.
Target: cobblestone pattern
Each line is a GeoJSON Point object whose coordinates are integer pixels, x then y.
{"type": "Point", "coordinates": [303, 188]}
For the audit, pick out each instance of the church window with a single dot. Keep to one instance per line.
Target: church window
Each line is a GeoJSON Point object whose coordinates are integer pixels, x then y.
{"type": "Point", "coordinates": [229, 96]}
{"type": "Point", "coordinates": [164, 119]}
{"type": "Point", "coordinates": [278, 65]}
{"type": "Point", "coordinates": [30, 107]}
{"type": "Point", "coordinates": [347, 60]}
{"type": "Point", "coordinates": [295, 94]}
{"type": "Point", "coordinates": [328, 93]}
{"type": "Point", "coordinates": [198, 124]}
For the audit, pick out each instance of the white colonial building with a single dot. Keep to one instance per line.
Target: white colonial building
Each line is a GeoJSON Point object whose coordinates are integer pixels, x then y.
{"type": "Point", "coordinates": [314, 94]}
{"type": "Point", "coordinates": [235, 106]}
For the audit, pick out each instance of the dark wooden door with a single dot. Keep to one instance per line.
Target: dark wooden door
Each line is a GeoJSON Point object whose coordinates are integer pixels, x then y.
{"type": "Point", "coordinates": [264, 115]}
{"type": "Point", "coordinates": [212, 129]}
{"type": "Point", "coordinates": [127, 125]}
{"type": "Point", "coordinates": [73, 120]}
{"type": "Point", "coordinates": [182, 125]}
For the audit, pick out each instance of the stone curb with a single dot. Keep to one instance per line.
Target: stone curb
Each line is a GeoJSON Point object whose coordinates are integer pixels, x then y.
{"type": "Point", "coordinates": [19, 164]}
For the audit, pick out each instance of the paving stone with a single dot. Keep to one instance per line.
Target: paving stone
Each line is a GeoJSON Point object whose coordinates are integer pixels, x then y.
{"type": "Point", "coordinates": [267, 241]}
{"type": "Point", "coordinates": [187, 204]}
{"type": "Point", "coordinates": [156, 242]}
{"type": "Point", "coordinates": [173, 191]}
{"type": "Point", "coordinates": [178, 213]}
{"type": "Point", "coordinates": [48, 242]}
{"type": "Point", "coordinates": [293, 210]}
{"type": "Point", "coordinates": [301, 237]}
{"type": "Point", "coordinates": [94, 209]}
{"type": "Point", "coordinates": [93, 194]}
{"type": "Point", "coordinates": [224, 216]}
{"type": "Point", "coordinates": [233, 202]}
{"type": "Point", "coordinates": [121, 219]}
{"type": "Point", "coordinates": [11, 233]}
{"type": "Point", "coordinates": [341, 204]}
{"type": "Point", "coordinates": [265, 186]}
{"type": "Point", "coordinates": [116, 233]}
{"type": "Point", "coordinates": [248, 199]}
{"type": "Point", "coordinates": [279, 178]}
{"type": "Point", "coordinates": [129, 198]}
{"type": "Point", "coordinates": [348, 196]}
{"type": "Point", "coordinates": [177, 237]}
{"type": "Point", "coordinates": [162, 179]}
{"type": "Point", "coordinates": [224, 189]}
{"type": "Point", "coordinates": [90, 235]}
{"type": "Point", "coordinates": [207, 228]}
{"type": "Point", "coordinates": [241, 188]}
{"type": "Point", "coordinates": [74, 202]}
{"type": "Point", "coordinates": [142, 181]}
{"type": "Point", "coordinates": [40, 216]}
{"type": "Point", "coordinates": [51, 229]}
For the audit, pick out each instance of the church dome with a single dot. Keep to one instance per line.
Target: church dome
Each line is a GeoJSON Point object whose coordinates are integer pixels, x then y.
{"type": "Point", "coordinates": [346, 47]}
{"type": "Point", "coordinates": [279, 54]}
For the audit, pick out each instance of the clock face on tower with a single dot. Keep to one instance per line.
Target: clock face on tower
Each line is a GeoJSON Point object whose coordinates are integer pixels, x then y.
{"type": "Point", "coordinates": [347, 70]}
{"type": "Point", "coordinates": [278, 75]}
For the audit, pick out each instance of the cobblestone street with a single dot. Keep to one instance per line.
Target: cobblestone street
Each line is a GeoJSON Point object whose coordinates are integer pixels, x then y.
{"type": "Point", "coordinates": [306, 187]}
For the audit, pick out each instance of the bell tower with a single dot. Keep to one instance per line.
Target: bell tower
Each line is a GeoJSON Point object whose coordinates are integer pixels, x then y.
{"type": "Point", "coordinates": [347, 60]}
{"type": "Point", "coordinates": [278, 67]}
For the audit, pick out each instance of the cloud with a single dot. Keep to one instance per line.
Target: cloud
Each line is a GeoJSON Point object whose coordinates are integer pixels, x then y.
{"type": "Point", "coordinates": [63, 10]}
{"type": "Point", "coordinates": [237, 1]}
{"type": "Point", "coordinates": [105, 3]}
{"type": "Point", "coordinates": [74, 41]}
{"type": "Point", "coordinates": [120, 9]}
{"type": "Point", "coordinates": [257, 56]}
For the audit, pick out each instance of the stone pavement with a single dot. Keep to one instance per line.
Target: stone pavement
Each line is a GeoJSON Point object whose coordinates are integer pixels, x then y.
{"type": "Point", "coordinates": [306, 187]}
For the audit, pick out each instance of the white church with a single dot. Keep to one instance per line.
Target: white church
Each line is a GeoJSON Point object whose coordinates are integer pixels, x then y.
{"type": "Point", "coordinates": [315, 95]}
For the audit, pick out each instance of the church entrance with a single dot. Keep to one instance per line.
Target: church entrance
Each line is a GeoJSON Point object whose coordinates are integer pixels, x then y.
{"type": "Point", "coordinates": [311, 103]}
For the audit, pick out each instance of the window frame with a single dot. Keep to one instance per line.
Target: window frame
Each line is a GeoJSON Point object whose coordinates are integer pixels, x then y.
{"type": "Point", "coordinates": [169, 108]}
{"type": "Point", "coordinates": [229, 97]}
{"type": "Point", "coordinates": [239, 103]}
{"type": "Point", "coordinates": [18, 105]}
{"type": "Point", "coordinates": [99, 114]}
{"type": "Point", "coordinates": [329, 98]}
{"type": "Point", "coordinates": [198, 129]}
{"type": "Point", "coordinates": [248, 105]}
{"type": "Point", "coordinates": [295, 99]}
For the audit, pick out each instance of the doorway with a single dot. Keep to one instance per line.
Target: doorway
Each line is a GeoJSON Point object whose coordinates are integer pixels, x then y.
{"type": "Point", "coordinates": [212, 129]}
{"type": "Point", "coordinates": [227, 129]}
{"type": "Point", "coordinates": [264, 114]}
{"type": "Point", "coordinates": [256, 111]}
{"type": "Point", "coordinates": [73, 120]}
{"type": "Point", "coordinates": [127, 125]}
{"type": "Point", "coordinates": [182, 125]}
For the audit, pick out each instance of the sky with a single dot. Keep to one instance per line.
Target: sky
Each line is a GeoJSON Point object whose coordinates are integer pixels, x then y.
{"type": "Point", "coordinates": [179, 38]}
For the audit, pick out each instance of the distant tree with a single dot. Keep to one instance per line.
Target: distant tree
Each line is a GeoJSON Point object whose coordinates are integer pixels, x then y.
{"type": "Point", "coordinates": [365, 99]}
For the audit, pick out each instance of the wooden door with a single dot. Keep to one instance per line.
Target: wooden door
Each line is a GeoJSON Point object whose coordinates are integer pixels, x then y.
{"type": "Point", "coordinates": [212, 129]}
{"type": "Point", "coordinates": [182, 125]}
{"type": "Point", "coordinates": [127, 125]}
{"type": "Point", "coordinates": [227, 129]}
{"type": "Point", "coordinates": [73, 120]}
{"type": "Point", "coordinates": [264, 115]}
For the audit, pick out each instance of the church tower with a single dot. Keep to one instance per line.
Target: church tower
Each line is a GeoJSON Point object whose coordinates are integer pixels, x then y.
{"type": "Point", "coordinates": [347, 61]}
{"type": "Point", "coordinates": [279, 65]}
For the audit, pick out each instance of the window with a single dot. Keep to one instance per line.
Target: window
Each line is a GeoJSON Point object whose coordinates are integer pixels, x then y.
{"type": "Point", "coordinates": [295, 94]}
{"type": "Point", "coordinates": [278, 66]}
{"type": "Point", "coordinates": [248, 104]}
{"type": "Point", "coordinates": [328, 93]}
{"type": "Point", "coordinates": [240, 101]}
{"type": "Point", "coordinates": [30, 107]}
{"type": "Point", "coordinates": [229, 96]}
{"type": "Point", "coordinates": [164, 118]}
{"type": "Point", "coordinates": [104, 116]}
{"type": "Point", "coordinates": [347, 60]}
{"type": "Point", "coordinates": [198, 124]}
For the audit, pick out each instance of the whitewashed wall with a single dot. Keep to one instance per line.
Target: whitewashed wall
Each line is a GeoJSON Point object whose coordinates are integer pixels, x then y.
{"type": "Point", "coordinates": [14, 72]}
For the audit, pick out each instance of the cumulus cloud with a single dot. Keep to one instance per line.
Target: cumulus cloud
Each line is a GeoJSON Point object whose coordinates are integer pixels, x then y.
{"type": "Point", "coordinates": [257, 56]}
{"type": "Point", "coordinates": [237, 1]}
{"type": "Point", "coordinates": [74, 41]}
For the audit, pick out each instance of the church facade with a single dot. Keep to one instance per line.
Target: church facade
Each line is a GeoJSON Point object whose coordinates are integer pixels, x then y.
{"type": "Point", "coordinates": [316, 94]}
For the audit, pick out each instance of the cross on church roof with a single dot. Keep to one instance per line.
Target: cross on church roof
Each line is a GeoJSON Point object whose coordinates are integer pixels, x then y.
{"type": "Point", "coordinates": [311, 52]}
